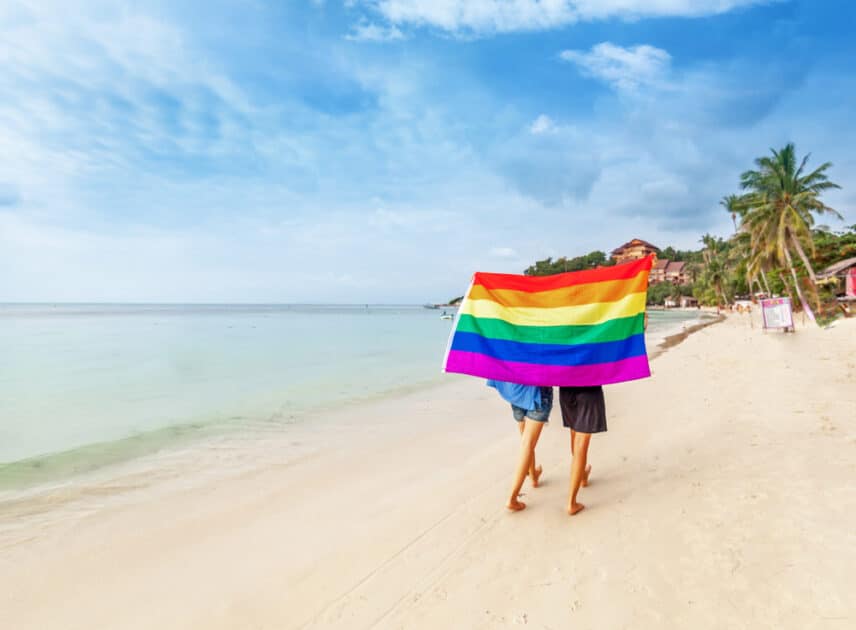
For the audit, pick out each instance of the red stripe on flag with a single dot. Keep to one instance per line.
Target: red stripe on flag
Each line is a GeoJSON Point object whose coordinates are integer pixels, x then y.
{"type": "Point", "coordinates": [535, 284]}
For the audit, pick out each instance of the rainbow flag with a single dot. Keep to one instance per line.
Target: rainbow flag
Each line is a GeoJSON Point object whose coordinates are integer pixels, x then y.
{"type": "Point", "coordinates": [580, 328]}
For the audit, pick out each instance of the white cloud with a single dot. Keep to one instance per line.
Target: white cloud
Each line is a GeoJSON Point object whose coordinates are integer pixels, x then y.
{"type": "Point", "coordinates": [542, 124]}
{"type": "Point", "coordinates": [370, 32]}
{"type": "Point", "coordinates": [632, 9]}
{"type": "Point", "coordinates": [503, 252]}
{"type": "Point", "coordinates": [87, 92]}
{"type": "Point", "coordinates": [500, 16]}
{"type": "Point", "coordinates": [622, 68]}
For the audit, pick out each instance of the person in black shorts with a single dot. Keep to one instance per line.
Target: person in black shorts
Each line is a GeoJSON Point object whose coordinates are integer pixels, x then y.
{"type": "Point", "coordinates": [584, 413]}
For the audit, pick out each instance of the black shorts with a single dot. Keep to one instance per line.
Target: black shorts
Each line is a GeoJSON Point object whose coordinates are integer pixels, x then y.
{"type": "Point", "coordinates": [583, 408]}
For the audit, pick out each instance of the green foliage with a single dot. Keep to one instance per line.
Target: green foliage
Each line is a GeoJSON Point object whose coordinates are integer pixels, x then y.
{"type": "Point", "coordinates": [830, 247]}
{"type": "Point", "coordinates": [680, 255]}
{"type": "Point", "coordinates": [714, 283]}
{"type": "Point", "coordinates": [657, 293]}
{"type": "Point", "coordinates": [705, 294]}
{"type": "Point", "coordinates": [780, 204]}
{"type": "Point", "coordinates": [775, 249]}
{"type": "Point", "coordinates": [548, 266]}
{"type": "Point", "coordinates": [735, 205]}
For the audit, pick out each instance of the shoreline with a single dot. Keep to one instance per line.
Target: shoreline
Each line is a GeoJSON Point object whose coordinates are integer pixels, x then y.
{"type": "Point", "coordinates": [47, 486]}
{"type": "Point", "coordinates": [55, 469]}
{"type": "Point", "coordinates": [672, 340]}
{"type": "Point", "coordinates": [398, 521]}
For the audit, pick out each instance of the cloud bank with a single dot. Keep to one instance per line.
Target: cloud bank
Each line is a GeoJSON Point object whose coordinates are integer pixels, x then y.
{"type": "Point", "coordinates": [481, 17]}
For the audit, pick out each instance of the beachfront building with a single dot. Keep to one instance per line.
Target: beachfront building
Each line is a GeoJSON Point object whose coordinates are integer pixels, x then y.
{"type": "Point", "coordinates": [634, 250]}
{"type": "Point", "coordinates": [673, 271]}
{"type": "Point", "coordinates": [676, 272]}
{"type": "Point", "coordinates": [843, 275]}
{"type": "Point", "coordinates": [658, 271]}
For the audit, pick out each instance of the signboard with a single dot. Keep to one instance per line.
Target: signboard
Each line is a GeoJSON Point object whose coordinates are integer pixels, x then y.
{"type": "Point", "coordinates": [777, 313]}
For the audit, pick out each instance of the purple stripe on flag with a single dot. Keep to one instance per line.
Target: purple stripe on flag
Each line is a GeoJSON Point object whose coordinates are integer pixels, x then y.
{"type": "Point", "coordinates": [477, 364]}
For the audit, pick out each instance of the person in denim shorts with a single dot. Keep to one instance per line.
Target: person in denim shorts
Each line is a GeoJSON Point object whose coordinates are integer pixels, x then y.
{"type": "Point", "coordinates": [530, 421]}
{"type": "Point", "coordinates": [538, 417]}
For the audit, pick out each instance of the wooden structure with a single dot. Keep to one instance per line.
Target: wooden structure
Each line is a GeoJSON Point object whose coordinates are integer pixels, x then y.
{"type": "Point", "coordinates": [669, 271]}
{"type": "Point", "coordinates": [843, 275]}
{"type": "Point", "coordinates": [634, 250]}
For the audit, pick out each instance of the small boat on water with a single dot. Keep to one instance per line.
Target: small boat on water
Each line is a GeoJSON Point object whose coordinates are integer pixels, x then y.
{"type": "Point", "coordinates": [446, 316]}
{"type": "Point", "coordinates": [439, 306]}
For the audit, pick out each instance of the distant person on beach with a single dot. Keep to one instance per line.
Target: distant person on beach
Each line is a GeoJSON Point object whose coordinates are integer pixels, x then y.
{"type": "Point", "coordinates": [530, 407]}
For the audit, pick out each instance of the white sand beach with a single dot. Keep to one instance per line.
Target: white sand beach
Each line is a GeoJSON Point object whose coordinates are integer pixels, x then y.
{"type": "Point", "coordinates": [721, 497]}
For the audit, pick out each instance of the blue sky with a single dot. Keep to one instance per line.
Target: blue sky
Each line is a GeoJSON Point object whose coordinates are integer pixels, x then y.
{"type": "Point", "coordinates": [383, 150]}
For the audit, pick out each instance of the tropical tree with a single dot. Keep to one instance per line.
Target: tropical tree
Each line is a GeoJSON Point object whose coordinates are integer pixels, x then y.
{"type": "Point", "coordinates": [715, 272]}
{"type": "Point", "coordinates": [734, 205]}
{"type": "Point", "coordinates": [548, 266]}
{"type": "Point", "coordinates": [780, 205]}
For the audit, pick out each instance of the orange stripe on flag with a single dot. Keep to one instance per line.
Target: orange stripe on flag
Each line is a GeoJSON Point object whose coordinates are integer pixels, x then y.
{"type": "Point", "coordinates": [536, 284]}
{"type": "Point", "coordinates": [595, 292]}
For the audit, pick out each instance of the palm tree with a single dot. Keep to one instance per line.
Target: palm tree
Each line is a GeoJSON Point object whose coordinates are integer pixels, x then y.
{"type": "Point", "coordinates": [715, 270]}
{"type": "Point", "coordinates": [733, 204]}
{"type": "Point", "coordinates": [716, 275]}
{"type": "Point", "coordinates": [757, 267]}
{"type": "Point", "coordinates": [779, 211]}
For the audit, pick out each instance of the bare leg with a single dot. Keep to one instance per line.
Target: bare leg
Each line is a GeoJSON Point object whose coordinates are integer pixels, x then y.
{"type": "Point", "coordinates": [587, 471]}
{"type": "Point", "coordinates": [579, 448]}
{"type": "Point", "coordinates": [531, 432]}
{"type": "Point", "coordinates": [534, 471]}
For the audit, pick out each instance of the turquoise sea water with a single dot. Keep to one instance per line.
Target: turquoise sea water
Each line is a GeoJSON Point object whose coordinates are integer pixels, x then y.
{"type": "Point", "coordinates": [84, 385]}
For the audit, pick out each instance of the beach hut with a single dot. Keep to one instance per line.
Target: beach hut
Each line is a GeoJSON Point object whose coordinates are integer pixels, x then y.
{"type": "Point", "coordinates": [843, 275]}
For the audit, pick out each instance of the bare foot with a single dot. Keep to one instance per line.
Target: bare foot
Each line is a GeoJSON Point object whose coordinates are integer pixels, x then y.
{"type": "Point", "coordinates": [537, 476]}
{"type": "Point", "coordinates": [515, 505]}
{"type": "Point", "coordinates": [585, 481]}
{"type": "Point", "coordinates": [575, 508]}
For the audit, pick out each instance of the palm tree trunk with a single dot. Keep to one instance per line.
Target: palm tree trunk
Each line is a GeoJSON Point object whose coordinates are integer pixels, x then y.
{"type": "Point", "coordinates": [720, 293]}
{"type": "Point", "coordinates": [793, 271]}
{"type": "Point", "coordinates": [766, 284]}
{"type": "Point", "coordinates": [808, 268]}
{"type": "Point", "coordinates": [787, 288]}
{"type": "Point", "coordinates": [752, 292]}
{"type": "Point", "coordinates": [804, 258]}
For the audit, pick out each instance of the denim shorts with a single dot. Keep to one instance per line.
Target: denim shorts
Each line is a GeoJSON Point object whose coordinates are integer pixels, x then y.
{"type": "Point", "coordinates": [539, 414]}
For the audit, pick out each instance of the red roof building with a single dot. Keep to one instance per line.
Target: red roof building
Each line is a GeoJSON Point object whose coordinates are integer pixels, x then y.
{"type": "Point", "coordinates": [673, 271]}
{"type": "Point", "coordinates": [634, 250]}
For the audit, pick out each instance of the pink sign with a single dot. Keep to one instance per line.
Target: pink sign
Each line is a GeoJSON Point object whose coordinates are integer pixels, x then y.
{"type": "Point", "coordinates": [777, 313]}
{"type": "Point", "coordinates": [851, 283]}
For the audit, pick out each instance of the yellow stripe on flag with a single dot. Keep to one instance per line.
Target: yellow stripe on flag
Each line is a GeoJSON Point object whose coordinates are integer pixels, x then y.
{"type": "Point", "coordinates": [581, 315]}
